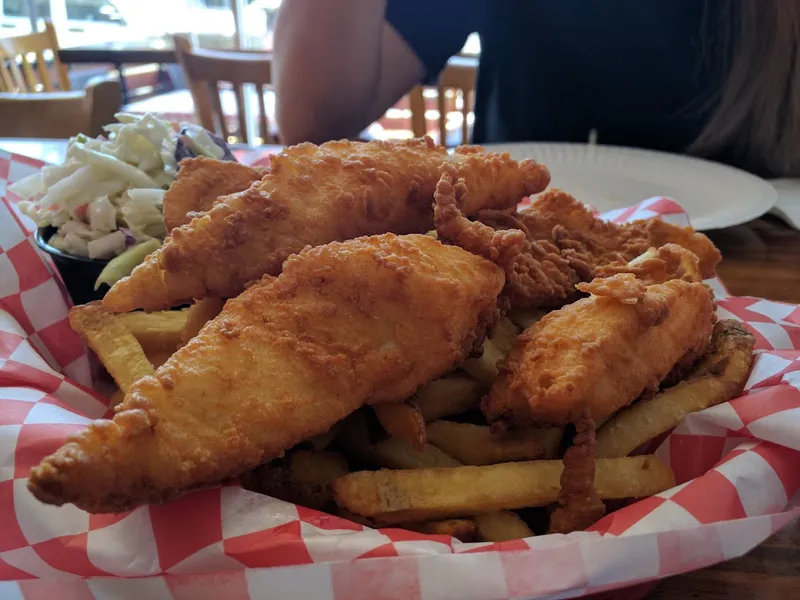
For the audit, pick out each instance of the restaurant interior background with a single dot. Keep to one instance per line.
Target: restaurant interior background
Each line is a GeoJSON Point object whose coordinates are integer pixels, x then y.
{"type": "Point", "coordinates": [234, 25]}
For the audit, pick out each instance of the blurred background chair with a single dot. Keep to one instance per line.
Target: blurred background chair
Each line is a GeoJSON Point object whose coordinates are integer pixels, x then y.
{"type": "Point", "coordinates": [455, 101]}
{"type": "Point", "coordinates": [219, 82]}
{"type": "Point", "coordinates": [59, 114]}
{"type": "Point", "coordinates": [18, 57]}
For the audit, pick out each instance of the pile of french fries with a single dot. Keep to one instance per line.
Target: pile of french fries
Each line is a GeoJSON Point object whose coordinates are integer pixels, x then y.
{"type": "Point", "coordinates": [432, 464]}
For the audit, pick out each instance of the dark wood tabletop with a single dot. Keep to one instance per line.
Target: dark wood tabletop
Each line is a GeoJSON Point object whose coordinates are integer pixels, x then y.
{"type": "Point", "coordinates": [760, 258]}
{"type": "Point", "coordinates": [118, 53]}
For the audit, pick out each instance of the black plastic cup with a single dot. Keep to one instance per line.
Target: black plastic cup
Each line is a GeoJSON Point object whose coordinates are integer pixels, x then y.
{"type": "Point", "coordinates": [78, 272]}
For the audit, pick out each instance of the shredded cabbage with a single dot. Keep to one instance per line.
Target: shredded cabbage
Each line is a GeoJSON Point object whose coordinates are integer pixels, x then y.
{"type": "Point", "coordinates": [109, 192]}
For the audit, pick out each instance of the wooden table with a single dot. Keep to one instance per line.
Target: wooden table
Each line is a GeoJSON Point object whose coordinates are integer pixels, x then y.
{"type": "Point", "coordinates": [157, 50]}
{"type": "Point", "coordinates": [761, 258]}
{"type": "Point", "coordinates": [161, 51]}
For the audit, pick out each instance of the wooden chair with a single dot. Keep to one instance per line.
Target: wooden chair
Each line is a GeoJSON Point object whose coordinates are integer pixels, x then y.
{"type": "Point", "coordinates": [16, 71]}
{"type": "Point", "coordinates": [206, 69]}
{"type": "Point", "coordinates": [458, 76]}
{"type": "Point", "coordinates": [60, 114]}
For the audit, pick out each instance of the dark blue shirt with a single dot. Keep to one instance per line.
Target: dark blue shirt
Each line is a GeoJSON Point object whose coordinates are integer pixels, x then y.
{"type": "Point", "coordinates": [642, 73]}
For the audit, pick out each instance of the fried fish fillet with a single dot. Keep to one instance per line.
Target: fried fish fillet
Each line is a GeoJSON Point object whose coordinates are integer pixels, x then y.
{"type": "Point", "coordinates": [602, 351]}
{"type": "Point", "coordinates": [311, 196]}
{"type": "Point", "coordinates": [200, 182]}
{"type": "Point", "coordinates": [570, 225]}
{"type": "Point", "coordinates": [364, 321]}
{"type": "Point", "coordinates": [567, 244]}
{"type": "Point", "coordinates": [536, 272]}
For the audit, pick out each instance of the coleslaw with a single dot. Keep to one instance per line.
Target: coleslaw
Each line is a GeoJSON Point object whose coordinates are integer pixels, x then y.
{"type": "Point", "coordinates": [107, 197]}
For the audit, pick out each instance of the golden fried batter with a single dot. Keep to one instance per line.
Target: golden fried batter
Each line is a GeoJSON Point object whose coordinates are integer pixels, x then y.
{"type": "Point", "coordinates": [557, 216]}
{"type": "Point", "coordinates": [311, 196]}
{"type": "Point", "coordinates": [580, 506]}
{"type": "Point", "coordinates": [658, 265]}
{"type": "Point", "coordinates": [536, 272]}
{"type": "Point", "coordinates": [200, 182]}
{"type": "Point", "coordinates": [364, 321]}
{"type": "Point", "coordinates": [602, 351]}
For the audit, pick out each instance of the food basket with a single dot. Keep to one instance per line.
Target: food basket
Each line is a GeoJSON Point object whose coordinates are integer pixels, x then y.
{"type": "Point", "coordinates": [737, 464]}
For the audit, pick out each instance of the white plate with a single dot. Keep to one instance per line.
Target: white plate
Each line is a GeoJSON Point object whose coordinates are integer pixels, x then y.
{"type": "Point", "coordinates": [609, 177]}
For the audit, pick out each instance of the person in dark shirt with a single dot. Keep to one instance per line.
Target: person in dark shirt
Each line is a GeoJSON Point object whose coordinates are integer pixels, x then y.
{"type": "Point", "coordinates": [716, 78]}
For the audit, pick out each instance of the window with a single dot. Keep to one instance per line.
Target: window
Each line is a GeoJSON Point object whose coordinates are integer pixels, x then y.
{"type": "Point", "coordinates": [19, 8]}
{"type": "Point", "coordinates": [215, 3]}
{"type": "Point", "coordinates": [14, 8]}
{"type": "Point", "coordinates": [93, 10]}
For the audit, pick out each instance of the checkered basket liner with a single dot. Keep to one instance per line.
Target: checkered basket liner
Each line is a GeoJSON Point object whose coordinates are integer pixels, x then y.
{"type": "Point", "coordinates": [737, 464]}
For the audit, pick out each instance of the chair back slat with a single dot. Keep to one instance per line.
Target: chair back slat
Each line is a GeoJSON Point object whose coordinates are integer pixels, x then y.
{"type": "Point", "coordinates": [240, 112]}
{"type": "Point", "coordinates": [441, 105]}
{"type": "Point", "coordinates": [416, 101]}
{"type": "Point", "coordinates": [31, 82]}
{"type": "Point", "coordinates": [218, 123]}
{"type": "Point", "coordinates": [206, 69]}
{"type": "Point", "coordinates": [44, 76]}
{"type": "Point", "coordinates": [6, 79]}
{"type": "Point", "coordinates": [456, 85]}
{"type": "Point", "coordinates": [16, 51]}
{"type": "Point", "coordinates": [263, 119]}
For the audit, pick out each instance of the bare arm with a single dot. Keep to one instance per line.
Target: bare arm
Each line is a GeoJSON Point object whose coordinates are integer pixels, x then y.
{"type": "Point", "coordinates": [337, 67]}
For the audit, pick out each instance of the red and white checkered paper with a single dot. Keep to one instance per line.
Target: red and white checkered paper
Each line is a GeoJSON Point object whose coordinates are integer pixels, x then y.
{"type": "Point", "coordinates": [738, 465]}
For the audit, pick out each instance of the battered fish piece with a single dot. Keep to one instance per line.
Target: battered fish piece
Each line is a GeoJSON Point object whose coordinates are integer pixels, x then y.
{"type": "Point", "coordinates": [361, 322]}
{"type": "Point", "coordinates": [670, 261]}
{"type": "Point", "coordinates": [200, 182]}
{"type": "Point", "coordinates": [603, 351]}
{"type": "Point", "coordinates": [570, 225]}
{"type": "Point", "coordinates": [536, 272]}
{"type": "Point", "coordinates": [311, 196]}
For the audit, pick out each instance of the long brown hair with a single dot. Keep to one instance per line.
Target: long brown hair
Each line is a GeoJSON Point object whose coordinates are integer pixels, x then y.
{"type": "Point", "coordinates": [758, 107]}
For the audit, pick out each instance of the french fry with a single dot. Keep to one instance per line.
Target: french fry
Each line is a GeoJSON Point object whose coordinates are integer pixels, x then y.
{"type": "Point", "coordinates": [477, 445]}
{"type": "Point", "coordinates": [501, 526]}
{"type": "Point", "coordinates": [391, 453]}
{"type": "Point", "coordinates": [158, 358]}
{"type": "Point", "coordinates": [114, 344]}
{"type": "Point", "coordinates": [157, 332]}
{"type": "Point", "coordinates": [392, 497]}
{"type": "Point", "coordinates": [484, 367]}
{"type": "Point", "coordinates": [354, 518]}
{"type": "Point", "coordinates": [719, 376]}
{"type": "Point", "coordinates": [525, 317]}
{"type": "Point", "coordinates": [322, 441]}
{"type": "Point", "coordinates": [495, 349]}
{"type": "Point", "coordinates": [461, 529]}
{"type": "Point", "coordinates": [116, 398]}
{"type": "Point", "coordinates": [200, 313]}
{"type": "Point", "coordinates": [451, 395]}
{"type": "Point", "coordinates": [503, 335]}
{"type": "Point", "coordinates": [397, 453]}
{"type": "Point", "coordinates": [317, 468]}
{"type": "Point", "coordinates": [302, 477]}
{"type": "Point", "coordinates": [403, 420]}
